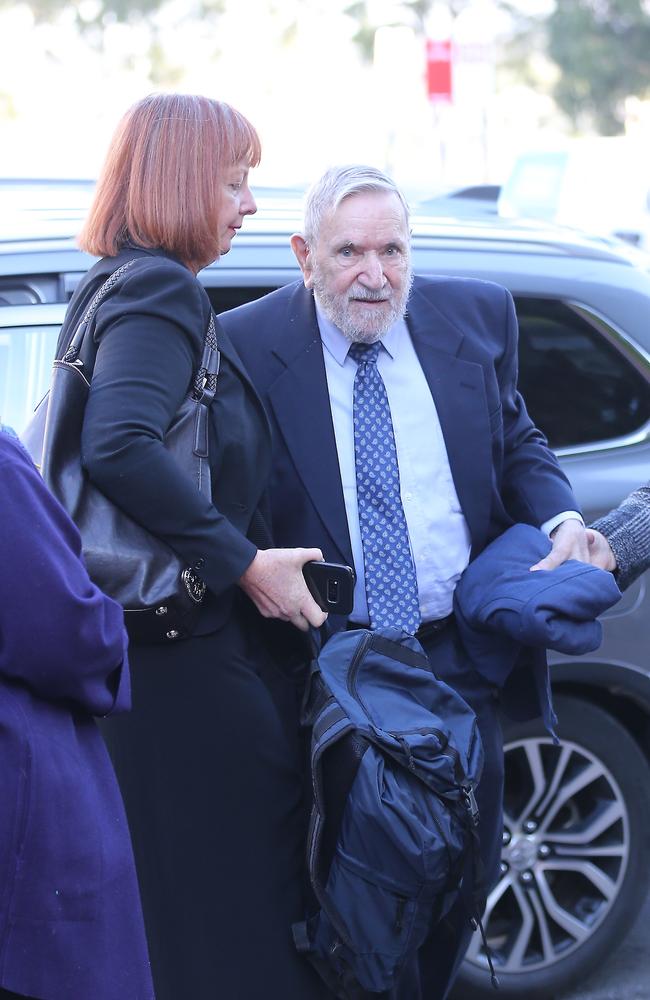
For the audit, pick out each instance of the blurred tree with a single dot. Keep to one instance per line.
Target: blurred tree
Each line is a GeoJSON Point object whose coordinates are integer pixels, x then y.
{"type": "Point", "coordinates": [413, 13]}
{"type": "Point", "coordinates": [602, 48]}
{"type": "Point", "coordinates": [98, 12]}
{"type": "Point", "coordinates": [602, 51]}
{"type": "Point", "coordinates": [93, 13]}
{"type": "Point", "coordinates": [92, 17]}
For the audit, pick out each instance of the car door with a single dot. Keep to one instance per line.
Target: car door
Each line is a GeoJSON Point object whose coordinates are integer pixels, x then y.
{"type": "Point", "coordinates": [28, 336]}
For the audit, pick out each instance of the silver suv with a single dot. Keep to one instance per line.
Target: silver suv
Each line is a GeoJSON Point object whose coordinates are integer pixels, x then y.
{"type": "Point", "coordinates": [576, 849]}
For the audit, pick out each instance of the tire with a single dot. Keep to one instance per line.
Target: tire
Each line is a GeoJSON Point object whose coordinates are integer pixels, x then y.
{"type": "Point", "coordinates": [576, 856]}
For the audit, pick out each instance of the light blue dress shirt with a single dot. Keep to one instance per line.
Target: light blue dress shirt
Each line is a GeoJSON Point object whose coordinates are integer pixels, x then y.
{"type": "Point", "coordinates": [440, 540]}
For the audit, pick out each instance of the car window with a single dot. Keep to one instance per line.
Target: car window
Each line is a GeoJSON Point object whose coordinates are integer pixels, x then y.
{"type": "Point", "coordinates": [534, 186]}
{"type": "Point", "coordinates": [224, 298]}
{"type": "Point", "coordinates": [578, 387]}
{"type": "Point", "coordinates": [26, 355]}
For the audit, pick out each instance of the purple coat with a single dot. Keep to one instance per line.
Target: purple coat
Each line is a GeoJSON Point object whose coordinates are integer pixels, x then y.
{"type": "Point", "coordinates": [70, 918]}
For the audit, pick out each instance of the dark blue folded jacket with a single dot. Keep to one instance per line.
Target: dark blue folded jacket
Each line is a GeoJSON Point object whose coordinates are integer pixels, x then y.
{"type": "Point", "coordinates": [504, 610]}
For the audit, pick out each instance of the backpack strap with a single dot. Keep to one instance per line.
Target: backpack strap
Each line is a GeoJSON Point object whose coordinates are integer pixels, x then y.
{"type": "Point", "coordinates": [471, 891]}
{"type": "Point", "coordinates": [396, 651]}
{"type": "Point", "coordinates": [333, 735]}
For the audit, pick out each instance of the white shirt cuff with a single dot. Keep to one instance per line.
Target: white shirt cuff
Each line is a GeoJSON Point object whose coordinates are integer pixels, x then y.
{"type": "Point", "coordinates": [566, 515]}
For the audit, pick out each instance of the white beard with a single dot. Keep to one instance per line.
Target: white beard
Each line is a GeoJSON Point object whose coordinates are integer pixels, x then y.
{"type": "Point", "coordinates": [367, 326]}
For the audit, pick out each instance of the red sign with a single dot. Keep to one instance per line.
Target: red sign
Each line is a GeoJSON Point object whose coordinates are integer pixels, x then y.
{"type": "Point", "coordinates": [439, 70]}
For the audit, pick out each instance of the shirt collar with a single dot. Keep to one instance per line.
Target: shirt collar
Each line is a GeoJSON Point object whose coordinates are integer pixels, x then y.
{"type": "Point", "coordinates": [338, 344]}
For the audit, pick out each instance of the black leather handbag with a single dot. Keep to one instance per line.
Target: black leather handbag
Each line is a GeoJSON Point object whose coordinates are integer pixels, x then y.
{"type": "Point", "coordinates": [161, 595]}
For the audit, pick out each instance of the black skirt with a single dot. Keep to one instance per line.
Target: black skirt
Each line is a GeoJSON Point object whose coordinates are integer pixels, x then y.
{"type": "Point", "coordinates": [210, 766]}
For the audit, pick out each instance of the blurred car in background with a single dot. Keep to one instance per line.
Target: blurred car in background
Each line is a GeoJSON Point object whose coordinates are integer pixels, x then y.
{"type": "Point", "coordinates": [576, 850]}
{"type": "Point", "coordinates": [600, 185]}
{"type": "Point", "coordinates": [459, 203]}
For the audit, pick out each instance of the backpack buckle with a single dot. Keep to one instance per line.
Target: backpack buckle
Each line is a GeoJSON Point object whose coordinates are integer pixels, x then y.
{"type": "Point", "coordinates": [471, 804]}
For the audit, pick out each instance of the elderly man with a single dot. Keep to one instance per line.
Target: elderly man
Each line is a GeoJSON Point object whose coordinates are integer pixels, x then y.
{"type": "Point", "coordinates": [371, 376]}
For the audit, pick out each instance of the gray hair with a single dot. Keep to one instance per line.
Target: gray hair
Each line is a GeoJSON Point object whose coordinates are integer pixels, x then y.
{"type": "Point", "coordinates": [339, 183]}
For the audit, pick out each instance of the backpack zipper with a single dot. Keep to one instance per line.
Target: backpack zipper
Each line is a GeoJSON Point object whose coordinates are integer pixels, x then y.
{"type": "Point", "coordinates": [354, 665]}
{"type": "Point", "coordinates": [399, 914]}
{"type": "Point", "coordinates": [448, 750]}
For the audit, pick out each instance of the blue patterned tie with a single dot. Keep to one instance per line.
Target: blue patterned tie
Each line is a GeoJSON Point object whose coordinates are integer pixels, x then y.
{"type": "Point", "coordinates": [391, 583]}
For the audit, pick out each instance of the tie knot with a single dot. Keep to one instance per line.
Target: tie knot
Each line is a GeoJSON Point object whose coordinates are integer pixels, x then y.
{"type": "Point", "coordinates": [365, 352]}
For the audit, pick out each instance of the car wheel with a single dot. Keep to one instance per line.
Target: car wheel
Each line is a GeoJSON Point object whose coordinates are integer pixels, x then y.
{"type": "Point", "coordinates": [576, 855]}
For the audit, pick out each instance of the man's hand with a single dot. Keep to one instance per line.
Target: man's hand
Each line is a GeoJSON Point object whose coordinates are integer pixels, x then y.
{"type": "Point", "coordinates": [276, 586]}
{"type": "Point", "coordinates": [569, 542]}
{"type": "Point", "coordinates": [600, 551]}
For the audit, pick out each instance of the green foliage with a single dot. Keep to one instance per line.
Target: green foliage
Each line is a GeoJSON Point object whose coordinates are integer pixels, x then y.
{"type": "Point", "coordinates": [412, 13]}
{"type": "Point", "coordinates": [92, 18]}
{"type": "Point", "coordinates": [602, 51]}
{"type": "Point", "coordinates": [102, 12]}
{"type": "Point", "coordinates": [364, 37]}
{"type": "Point", "coordinates": [602, 48]}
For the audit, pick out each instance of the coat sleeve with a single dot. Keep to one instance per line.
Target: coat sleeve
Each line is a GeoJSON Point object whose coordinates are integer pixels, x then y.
{"type": "Point", "coordinates": [534, 488]}
{"type": "Point", "coordinates": [59, 635]}
{"type": "Point", "coordinates": [150, 336]}
{"type": "Point", "coordinates": [627, 529]}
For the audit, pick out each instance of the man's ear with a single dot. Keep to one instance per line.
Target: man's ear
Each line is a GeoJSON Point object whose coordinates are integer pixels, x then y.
{"type": "Point", "coordinates": [303, 255]}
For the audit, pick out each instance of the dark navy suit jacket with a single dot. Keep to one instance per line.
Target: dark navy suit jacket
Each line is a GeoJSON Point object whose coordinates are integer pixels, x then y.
{"type": "Point", "coordinates": [465, 335]}
{"type": "Point", "coordinates": [70, 919]}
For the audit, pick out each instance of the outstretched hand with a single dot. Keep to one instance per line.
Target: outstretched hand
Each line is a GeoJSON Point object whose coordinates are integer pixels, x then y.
{"type": "Point", "coordinates": [569, 542]}
{"type": "Point", "coordinates": [276, 586]}
{"type": "Point", "coordinates": [600, 551]}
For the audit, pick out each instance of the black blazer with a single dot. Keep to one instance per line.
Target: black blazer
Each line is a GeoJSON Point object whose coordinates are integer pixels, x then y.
{"type": "Point", "coordinates": [150, 333]}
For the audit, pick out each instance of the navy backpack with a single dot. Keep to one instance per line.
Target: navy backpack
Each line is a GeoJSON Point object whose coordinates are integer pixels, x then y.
{"type": "Point", "coordinates": [395, 758]}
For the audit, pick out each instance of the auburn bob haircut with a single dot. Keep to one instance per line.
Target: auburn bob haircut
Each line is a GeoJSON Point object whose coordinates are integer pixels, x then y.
{"type": "Point", "coordinates": [159, 186]}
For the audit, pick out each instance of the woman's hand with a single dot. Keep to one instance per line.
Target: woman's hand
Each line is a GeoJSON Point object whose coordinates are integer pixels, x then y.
{"type": "Point", "coordinates": [276, 586]}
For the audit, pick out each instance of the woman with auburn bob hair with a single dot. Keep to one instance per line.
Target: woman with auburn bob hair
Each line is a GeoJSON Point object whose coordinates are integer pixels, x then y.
{"type": "Point", "coordinates": [208, 760]}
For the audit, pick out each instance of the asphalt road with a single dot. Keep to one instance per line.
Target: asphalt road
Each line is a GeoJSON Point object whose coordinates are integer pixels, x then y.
{"type": "Point", "coordinates": [626, 974]}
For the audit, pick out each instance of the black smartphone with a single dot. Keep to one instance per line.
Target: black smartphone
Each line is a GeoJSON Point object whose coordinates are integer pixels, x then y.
{"type": "Point", "coordinates": [331, 585]}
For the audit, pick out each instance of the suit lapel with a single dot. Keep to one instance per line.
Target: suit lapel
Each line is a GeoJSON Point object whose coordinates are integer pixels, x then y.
{"type": "Point", "coordinates": [458, 390]}
{"type": "Point", "coordinates": [300, 401]}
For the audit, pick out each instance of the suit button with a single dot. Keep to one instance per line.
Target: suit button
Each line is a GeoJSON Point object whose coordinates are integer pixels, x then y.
{"type": "Point", "coordinates": [200, 563]}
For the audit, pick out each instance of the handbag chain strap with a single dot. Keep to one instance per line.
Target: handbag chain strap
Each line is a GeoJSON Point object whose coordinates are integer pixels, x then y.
{"type": "Point", "coordinates": [204, 385]}
{"type": "Point", "coordinates": [75, 344]}
{"type": "Point", "coordinates": [205, 380]}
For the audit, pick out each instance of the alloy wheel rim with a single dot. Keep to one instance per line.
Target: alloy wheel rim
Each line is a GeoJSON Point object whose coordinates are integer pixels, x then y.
{"type": "Point", "coordinates": [565, 852]}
